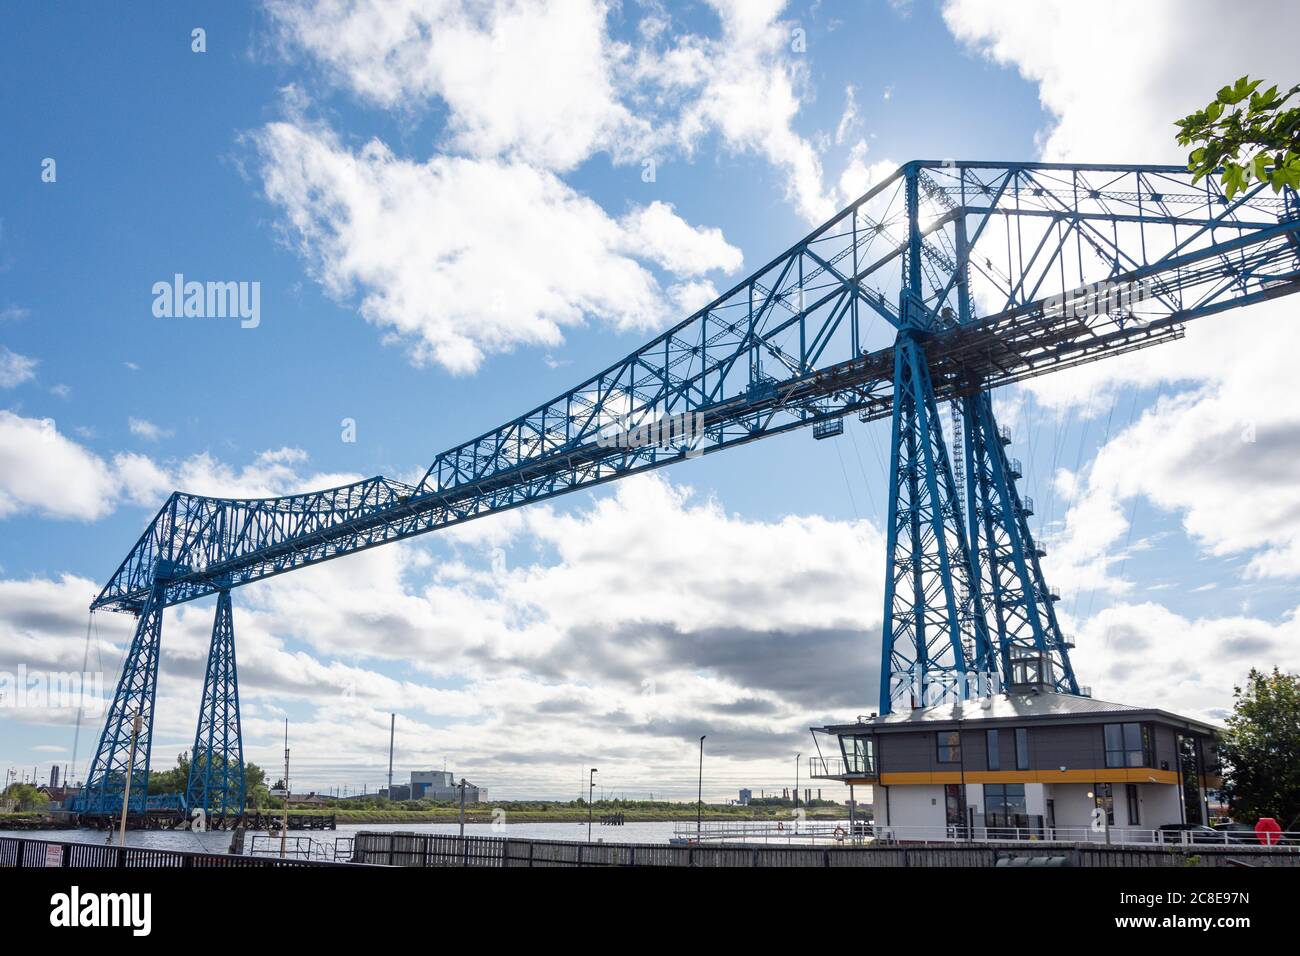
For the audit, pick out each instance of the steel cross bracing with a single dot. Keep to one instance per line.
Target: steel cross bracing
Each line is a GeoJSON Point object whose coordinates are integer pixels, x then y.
{"type": "Point", "coordinates": [216, 781]}
{"type": "Point", "coordinates": [982, 264]}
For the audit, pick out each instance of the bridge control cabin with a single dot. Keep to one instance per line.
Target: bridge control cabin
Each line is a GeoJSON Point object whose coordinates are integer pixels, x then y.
{"type": "Point", "coordinates": [1030, 763]}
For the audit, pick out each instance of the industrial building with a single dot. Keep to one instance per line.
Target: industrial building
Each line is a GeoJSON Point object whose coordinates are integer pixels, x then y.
{"type": "Point", "coordinates": [437, 785]}
{"type": "Point", "coordinates": [1032, 763]}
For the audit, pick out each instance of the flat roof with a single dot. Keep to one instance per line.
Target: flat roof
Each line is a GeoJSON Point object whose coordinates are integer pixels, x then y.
{"type": "Point", "coordinates": [1031, 705]}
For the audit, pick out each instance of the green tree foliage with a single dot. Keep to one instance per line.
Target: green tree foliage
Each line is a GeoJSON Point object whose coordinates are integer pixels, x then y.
{"type": "Point", "coordinates": [1261, 752]}
{"type": "Point", "coordinates": [171, 781]}
{"type": "Point", "coordinates": [25, 798]}
{"type": "Point", "coordinates": [1248, 134]}
{"type": "Point", "coordinates": [255, 791]}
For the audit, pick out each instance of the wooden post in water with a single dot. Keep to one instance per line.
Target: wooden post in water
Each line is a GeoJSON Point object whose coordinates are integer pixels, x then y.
{"type": "Point", "coordinates": [130, 772]}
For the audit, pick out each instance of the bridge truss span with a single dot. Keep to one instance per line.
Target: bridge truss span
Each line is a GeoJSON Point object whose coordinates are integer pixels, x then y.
{"type": "Point", "coordinates": [946, 280]}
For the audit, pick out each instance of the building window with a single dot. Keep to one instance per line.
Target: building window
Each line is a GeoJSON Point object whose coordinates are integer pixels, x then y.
{"type": "Point", "coordinates": [954, 797]}
{"type": "Point", "coordinates": [1128, 745]}
{"type": "Point", "coordinates": [1004, 805]}
{"type": "Point", "coordinates": [1190, 770]}
{"type": "Point", "coordinates": [1103, 798]}
{"type": "Point", "coordinates": [995, 762]}
{"type": "Point", "coordinates": [1134, 806]}
{"type": "Point", "coordinates": [949, 746]}
{"type": "Point", "coordinates": [857, 753]}
{"type": "Point", "coordinates": [1022, 748]}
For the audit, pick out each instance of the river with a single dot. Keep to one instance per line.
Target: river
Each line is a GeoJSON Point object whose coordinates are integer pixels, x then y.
{"type": "Point", "coordinates": [219, 841]}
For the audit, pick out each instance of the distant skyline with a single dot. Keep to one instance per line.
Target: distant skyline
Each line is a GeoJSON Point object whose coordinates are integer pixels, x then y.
{"type": "Point", "coordinates": [453, 211]}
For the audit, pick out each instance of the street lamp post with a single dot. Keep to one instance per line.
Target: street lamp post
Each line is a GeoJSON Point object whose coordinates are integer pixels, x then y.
{"type": "Point", "coordinates": [699, 799]}
{"type": "Point", "coordinates": [796, 780]}
{"type": "Point", "coordinates": [591, 790]}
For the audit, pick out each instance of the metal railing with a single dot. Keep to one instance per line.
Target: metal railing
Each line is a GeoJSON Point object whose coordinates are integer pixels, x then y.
{"type": "Point", "coordinates": [24, 853]}
{"type": "Point", "coordinates": [772, 831]}
{"type": "Point", "coordinates": [822, 832]}
{"type": "Point", "coordinates": [821, 767]}
{"type": "Point", "coordinates": [301, 848]}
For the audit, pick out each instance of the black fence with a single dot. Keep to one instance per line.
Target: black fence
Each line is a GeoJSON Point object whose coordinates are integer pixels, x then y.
{"type": "Point", "coordinates": [425, 849]}
{"type": "Point", "coordinates": [20, 852]}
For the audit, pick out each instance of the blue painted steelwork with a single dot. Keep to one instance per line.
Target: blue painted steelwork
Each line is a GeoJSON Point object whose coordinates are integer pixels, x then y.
{"type": "Point", "coordinates": [986, 272]}
{"type": "Point", "coordinates": [935, 631]}
{"type": "Point", "coordinates": [216, 782]}
{"type": "Point", "coordinates": [136, 689]}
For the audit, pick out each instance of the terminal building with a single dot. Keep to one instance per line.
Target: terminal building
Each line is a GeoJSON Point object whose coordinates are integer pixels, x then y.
{"type": "Point", "coordinates": [1029, 763]}
{"type": "Point", "coordinates": [441, 785]}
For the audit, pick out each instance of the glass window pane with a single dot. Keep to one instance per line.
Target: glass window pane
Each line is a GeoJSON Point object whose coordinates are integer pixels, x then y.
{"type": "Point", "coordinates": [994, 760]}
{"type": "Point", "coordinates": [1132, 736]}
{"type": "Point", "coordinates": [1114, 737]}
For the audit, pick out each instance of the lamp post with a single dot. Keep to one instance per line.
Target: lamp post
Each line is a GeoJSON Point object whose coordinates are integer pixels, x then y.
{"type": "Point", "coordinates": [699, 799]}
{"type": "Point", "coordinates": [463, 784]}
{"type": "Point", "coordinates": [591, 789]}
{"type": "Point", "coordinates": [796, 780]}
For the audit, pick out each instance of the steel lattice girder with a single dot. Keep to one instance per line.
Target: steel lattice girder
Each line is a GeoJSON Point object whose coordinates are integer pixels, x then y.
{"type": "Point", "coordinates": [932, 636]}
{"type": "Point", "coordinates": [216, 780]}
{"type": "Point", "coordinates": [136, 690]}
{"type": "Point", "coordinates": [990, 266]}
{"type": "Point", "coordinates": [793, 344]}
{"type": "Point", "coordinates": [1007, 567]}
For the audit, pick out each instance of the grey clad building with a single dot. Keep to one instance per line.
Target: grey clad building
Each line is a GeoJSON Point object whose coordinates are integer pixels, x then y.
{"type": "Point", "coordinates": [441, 785]}
{"type": "Point", "coordinates": [1033, 761]}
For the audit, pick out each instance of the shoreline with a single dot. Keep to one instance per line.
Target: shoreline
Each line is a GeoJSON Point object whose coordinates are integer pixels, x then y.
{"type": "Point", "coordinates": [481, 814]}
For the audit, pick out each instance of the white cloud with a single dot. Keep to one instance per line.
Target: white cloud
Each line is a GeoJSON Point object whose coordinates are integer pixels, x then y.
{"type": "Point", "coordinates": [1113, 95]}
{"type": "Point", "coordinates": [849, 119]}
{"type": "Point", "coordinates": [15, 369]}
{"type": "Point", "coordinates": [615, 630]}
{"type": "Point", "coordinates": [1147, 653]}
{"type": "Point", "coordinates": [747, 85]}
{"type": "Point", "coordinates": [544, 84]}
{"type": "Point", "coordinates": [464, 257]}
{"type": "Point", "coordinates": [43, 471]}
{"type": "Point", "coordinates": [142, 428]}
{"type": "Point", "coordinates": [529, 80]}
{"type": "Point", "coordinates": [656, 232]}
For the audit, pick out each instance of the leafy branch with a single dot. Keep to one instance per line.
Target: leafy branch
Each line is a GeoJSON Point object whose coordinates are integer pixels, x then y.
{"type": "Point", "coordinates": [1248, 135]}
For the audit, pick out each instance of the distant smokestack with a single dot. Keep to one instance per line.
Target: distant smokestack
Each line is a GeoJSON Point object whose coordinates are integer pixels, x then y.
{"type": "Point", "coordinates": [392, 727]}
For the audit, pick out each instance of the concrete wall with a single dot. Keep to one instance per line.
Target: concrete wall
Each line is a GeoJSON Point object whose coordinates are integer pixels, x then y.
{"type": "Point", "coordinates": [1158, 804]}
{"type": "Point", "coordinates": [918, 810]}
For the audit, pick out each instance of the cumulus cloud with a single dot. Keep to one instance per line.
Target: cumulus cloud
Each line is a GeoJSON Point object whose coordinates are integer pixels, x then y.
{"type": "Point", "coordinates": [45, 472]}
{"type": "Point", "coordinates": [486, 62]}
{"type": "Point", "coordinates": [15, 369]}
{"type": "Point", "coordinates": [577, 625]}
{"type": "Point", "coordinates": [42, 470]}
{"type": "Point", "coordinates": [1124, 651]}
{"type": "Point", "coordinates": [143, 428]}
{"type": "Point", "coordinates": [464, 257]}
{"type": "Point", "coordinates": [1211, 452]}
{"type": "Point", "coordinates": [530, 80]}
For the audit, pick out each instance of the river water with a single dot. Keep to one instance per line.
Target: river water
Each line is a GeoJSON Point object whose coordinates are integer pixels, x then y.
{"type": "Point", "coordinates": [219, 841]}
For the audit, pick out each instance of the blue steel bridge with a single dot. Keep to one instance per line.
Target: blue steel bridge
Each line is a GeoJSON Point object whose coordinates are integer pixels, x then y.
{"type": "Point", "coordinates": [945, 281]}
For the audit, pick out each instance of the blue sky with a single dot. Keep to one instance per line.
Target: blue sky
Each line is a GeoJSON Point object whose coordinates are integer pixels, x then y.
{"type": "Point", "coordinates": [232, 164]}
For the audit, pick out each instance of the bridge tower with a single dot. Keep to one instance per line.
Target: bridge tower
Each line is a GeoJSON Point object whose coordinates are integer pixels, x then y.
{"type": "Point", "coordinates": [136, 689]}
{"type": "Point", "coordinates": [216, 783]}
{"type": "Point", "coordinates": [988, 604]}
